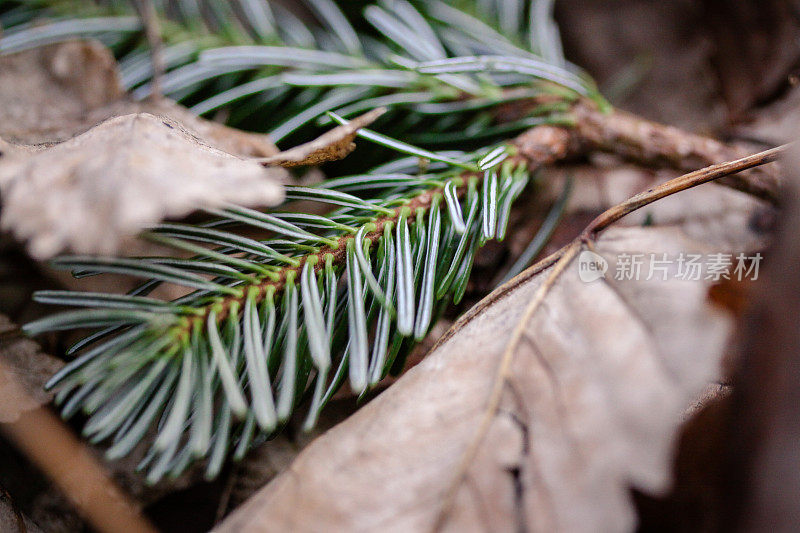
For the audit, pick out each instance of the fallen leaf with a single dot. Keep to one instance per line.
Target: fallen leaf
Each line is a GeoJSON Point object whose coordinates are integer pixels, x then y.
{"type": "Point", "coordinates": [86, 167]}
{"type": "Point", "coordinates": [330, 146]}
{"type": "Point", "coordinates": [75, 143]}
{"type": "Point", "coordinates": [24, 369]}
{"type": "Point", "coordinates": [87, 193]}
{"type": "Point", "coordinates": [593, 400]}
{"type": "Point", "coordinates": [46, 91]}
{"type": "Point", "coordinates": [52, 93]}
{"type": "Point", "coordinates": [231, 140]}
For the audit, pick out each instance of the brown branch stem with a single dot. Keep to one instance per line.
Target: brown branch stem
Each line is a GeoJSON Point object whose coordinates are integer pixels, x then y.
{"type": "Point", "coordinates": [648, 143]}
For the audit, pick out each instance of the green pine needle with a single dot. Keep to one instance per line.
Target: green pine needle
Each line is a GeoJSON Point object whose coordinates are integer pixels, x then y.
{"type": "Point", "coordinates": [237, 356]}
{"type": "Point", "coordinates": [439, 70]}
{"type": "Point", "coordinates": [277, 325]}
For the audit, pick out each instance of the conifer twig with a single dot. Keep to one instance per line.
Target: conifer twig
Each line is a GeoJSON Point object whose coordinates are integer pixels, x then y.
{"type": "Point", "coordinates": [237, 339]}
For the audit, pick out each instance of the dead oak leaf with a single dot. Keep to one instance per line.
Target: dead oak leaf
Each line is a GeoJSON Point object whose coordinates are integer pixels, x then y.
{"type": "Point", "coordinates": [593, 399]}
{"type": "Point", "coordinates": [53, 93]}
{"type": "Point", "coordinates": [131, 171]}
{"type": "Point", "coordinates": [69, 183]}
{"type": "Point", "coordinates": [57, 94]}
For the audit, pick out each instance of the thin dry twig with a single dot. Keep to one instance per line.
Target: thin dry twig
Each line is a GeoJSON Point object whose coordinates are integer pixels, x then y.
{"type": "Point", "coordinates": [559, 260]}
{"type": "Point", "coordinates": [152, 29]}
{"type": "Point", "coordinates": [681, 183]}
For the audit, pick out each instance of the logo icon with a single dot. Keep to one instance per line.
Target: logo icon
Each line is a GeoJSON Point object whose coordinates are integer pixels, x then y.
{"type": "Point", "coordinates": [591, 266]}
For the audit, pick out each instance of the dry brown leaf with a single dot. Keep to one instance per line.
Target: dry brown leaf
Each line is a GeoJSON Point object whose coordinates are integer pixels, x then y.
{"type": "Point", "coordinates": [330, 146]}
{"type": "Point", "coordinates": [44, 92]}
{"type": "Point", "coordinates": [236, 142]}
{"type": "Point", "coordinates": [84, 168]}
{"type": "Point", "coordinates": [120, 165]}
{"type": "Point", "coordinates": [87, 193]}
{"type": "Point", "coordinates": [53, 93]}
{"type": "Point", "coordinates": [596, 391]}
{"type": "Point", "coordinates": [30, 369]}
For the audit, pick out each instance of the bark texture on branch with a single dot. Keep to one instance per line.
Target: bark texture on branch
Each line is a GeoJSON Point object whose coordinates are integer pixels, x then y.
{"type": "Point", "coordinates": [645, 142]}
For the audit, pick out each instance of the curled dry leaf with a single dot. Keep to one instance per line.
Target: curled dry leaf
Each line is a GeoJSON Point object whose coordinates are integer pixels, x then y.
{"type": "Point", "coordinates": [29, 367]}
{"type": "Point", "coordinates": [126, 173]}
{"type": "Point", "coordinates": [331, 146]}
{"type": "Point", "coordinates": [595, 393]}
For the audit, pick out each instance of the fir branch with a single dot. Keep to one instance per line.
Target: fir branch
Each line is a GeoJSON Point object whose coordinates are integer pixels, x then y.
{"type": "Point", "coordinates": [273, 323]}
{"type": "Point", "coordinates": [350, 291]}
{"type": "Point", "coordinates": [430, 54]}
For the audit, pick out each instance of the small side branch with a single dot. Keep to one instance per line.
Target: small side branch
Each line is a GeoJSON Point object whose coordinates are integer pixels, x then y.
{"type": "Point", "coordinates": [650, 143]}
